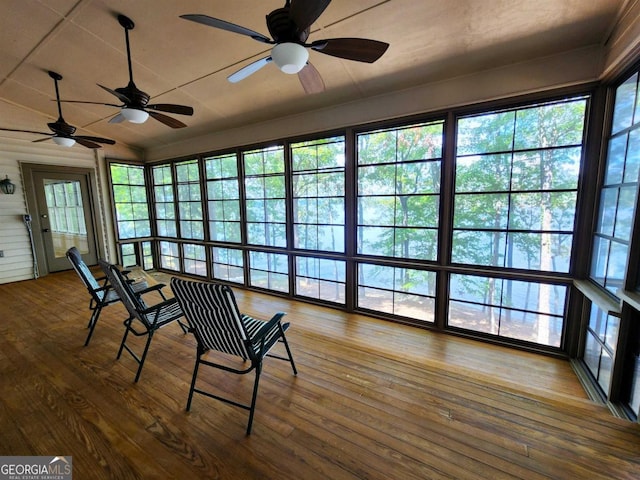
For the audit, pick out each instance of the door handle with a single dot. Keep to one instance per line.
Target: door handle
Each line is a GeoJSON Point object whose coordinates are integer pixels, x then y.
{"type": "Point", "coordinates": [45, 230]}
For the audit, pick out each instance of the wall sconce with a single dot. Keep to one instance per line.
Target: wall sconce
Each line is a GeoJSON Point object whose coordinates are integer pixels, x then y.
{"type": "Point", "coordinates": [7, 187]}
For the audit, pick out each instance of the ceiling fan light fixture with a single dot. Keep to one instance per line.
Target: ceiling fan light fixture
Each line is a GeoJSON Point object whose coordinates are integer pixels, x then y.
{"type": "Point", "coordinates": [290, 57]}
{"type": "Point", "coordinates": [64, 141]}
{"type": "Point", "coordinates": [134, 115]}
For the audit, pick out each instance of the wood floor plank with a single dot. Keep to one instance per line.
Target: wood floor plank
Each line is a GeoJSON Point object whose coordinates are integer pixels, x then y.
{"type": "Point", "coordinates": [372, 400]}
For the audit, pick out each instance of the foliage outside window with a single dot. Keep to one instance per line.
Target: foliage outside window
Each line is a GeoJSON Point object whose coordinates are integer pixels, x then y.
{"type": "Point", "coordinates": [223, 198]}
{"type": "Point", "coordinates": [164, 201]}
{"type": "Point", "coordinates": [128, 255]}
{"type": "Point", "coordinates": [134, 254]}
{"type": "Point", "coordinates": [320, 278]}
{"type": "Point", "coordinates": [194, 259]}
{"type": "Point", "coordinates": [228, 264]}
{"type": "Point", "coordinates": [169, 256]}
{"type": "Point", "coordinates": [619, 191]}
{"type": "Point", "coordinates": [265, 203]}
{"type": "Point", "coordinates": [399, 191]}
{"type": "Point", "coordinates": [516, 186]}
{"type": "Point", "coordinates": [513, 181]}
{"type": "Point", "coordinates": [130, 199]}
{"type": "Point", "coordinates": [318, 194]}
{"type": "Point", "coordinates": [522, 310]}
{"type": "Point", "coordinates": [269, 271]}
{"type": "Point", "coordinates": [405, 292]}
{"type": "Point", "coordinates": [189, 200]}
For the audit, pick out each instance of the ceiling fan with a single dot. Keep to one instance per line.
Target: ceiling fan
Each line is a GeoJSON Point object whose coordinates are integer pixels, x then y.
{"type": "Point", "coordinates": [289, 26]}
{"type": "Point", "coordinates": [63, 133]}
{"type": "Point", "coordinates": [135, 103]}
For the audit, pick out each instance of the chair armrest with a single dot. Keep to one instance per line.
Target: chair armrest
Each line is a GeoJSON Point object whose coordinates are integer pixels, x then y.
{"type": "Point", "coordinates": [103, 288]}
{"type": "Point", "coordinates": [159, 306]}
{"type": "Point", "coordinates": [267, 327]}
{"type": "Point", "coordinates": [151, 288]}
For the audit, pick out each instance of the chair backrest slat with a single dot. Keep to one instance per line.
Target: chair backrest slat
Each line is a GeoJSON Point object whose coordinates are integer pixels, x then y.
{"type": "Point", "coordinates": [211, 310]}
{"type": "Point", "coordinates": [127, 296]}
{"type": "Point", "coordinates": [85, 274]}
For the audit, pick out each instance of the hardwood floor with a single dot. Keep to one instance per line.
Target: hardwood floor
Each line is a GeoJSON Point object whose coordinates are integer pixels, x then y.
{"type": "Point", "coordinates": [372, 400]}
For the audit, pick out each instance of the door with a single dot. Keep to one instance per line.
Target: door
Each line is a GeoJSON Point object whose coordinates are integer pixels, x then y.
{"type": "Point", "coordinates": [64, 217]}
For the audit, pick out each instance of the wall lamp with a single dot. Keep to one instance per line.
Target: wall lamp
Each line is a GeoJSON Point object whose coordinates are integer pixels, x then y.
{"type": "Point", "coordinates": [7, 187]}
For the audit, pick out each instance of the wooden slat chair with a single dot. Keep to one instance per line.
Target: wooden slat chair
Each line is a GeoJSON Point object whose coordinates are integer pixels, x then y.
{"type": "Point", "coordinates": [217, 324]}
{"type": "Point", "coordinates": [102, 294]}
{"type": "Point", "coordinates": [143, 320]}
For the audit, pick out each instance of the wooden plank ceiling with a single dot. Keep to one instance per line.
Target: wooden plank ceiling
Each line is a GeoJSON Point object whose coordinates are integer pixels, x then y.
{"type": "Point", "coordinates": [176, 61]}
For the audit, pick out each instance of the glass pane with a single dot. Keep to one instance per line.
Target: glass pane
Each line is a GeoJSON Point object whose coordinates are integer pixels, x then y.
{"type": "Point", "coordinates": [147, 256]}
{"type": "Point", "coordinates": [481, 211]}
{"type": "Point", "coordinates": [592, 352]}
{"type": "Point", "coordinates": [615, 160]}
{"type": "Point", "coordinates": [616, 266]}
{"type": "Point", "coordinates": [607, 214]}
{"type": "Point", "coordinates": [529, 311]}
{"type": "Point", "coordinates": [550, 125]}
{"type": "Point", "coordinates": [604, 375]}
{"type": "Point", "coordinates": [600, 259]}
{"type": "Point", "coordinates": [321, 279]}
{"type": "Point", "coordinates": [399, 191]}
{"type": "Point", "coordinates": [169, 257]}
{"type": "Point", "coordinates": [269, 271]}
{"type": "Point", "coordinates": [624, 104]}
{"type": "Point", "coordinates": [399, 291]}
{"type": "Point", "coordinates": [598, 321]}
{"type": "Point", "coordinates": [486, 133]}
{"type": "Point", "coordinates": [66, 216]}
{"type": "Point", "coordinates": [470, 173]}
{"type": "Point", "coordinates": [625, 213]}
{"type": "Point", "coordinates": [228, 264]}
{"type": "Point", "coordinates": [516, 186]}
{"type": "Point", "coordinates": [479, 248]}
{"type": "Point", "coordinates": [613, 326]}
{"type": "Point", "coordinates": [632, 165]}
{"type": "Point", "coordinates": [634, 396]}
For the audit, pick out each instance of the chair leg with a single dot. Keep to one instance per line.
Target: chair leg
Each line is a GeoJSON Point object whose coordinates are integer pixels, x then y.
{"type": "Point", "coordinates": [193, 383]}
{"type": "Point", "coordinates": [93, 309]}
{"type": "Point", "coordinates": [286, 345]}
{"type": "Point", "coordinates": [144, 355]}
{"type": "Point", "coordinates": [254, 397]}
{"type": "Point", "coordinates": [184, 328]}
{"type": "Point", "coordinates": [92, 323]}
{"type": "Point", "coordinates": [127, 324]}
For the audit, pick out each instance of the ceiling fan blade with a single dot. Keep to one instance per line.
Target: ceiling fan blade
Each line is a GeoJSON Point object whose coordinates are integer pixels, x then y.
{"type": "Point", "coordinates": [92, 103]}
{"type": "Point", "coordinates": [248, 70]}
{"type": "Point", "coordinates": [228, 26]}
{"type": "Point", "coordinates": [305, 12]}
{"type": "Point", "coordinates": [171, 122]}
{"type": "Point", "coordinates": [42, 139]}
{"type": "Point", "coordinates": [168, 107]}
{"type": "Point", "coordinates": [119, 118]}
{"type": "Point", "coordinates": [24, 131]}
{"type": "Point", "coordinates": [310, 79]}
{"type": "Point", "coordinates": [358, 49]}
{"type": "Point", "coordinates": [87, 143]}
{"type": "Point", "coordinates": [123, 98]}
{"type": "Point", "coordinates": [94, 139]}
